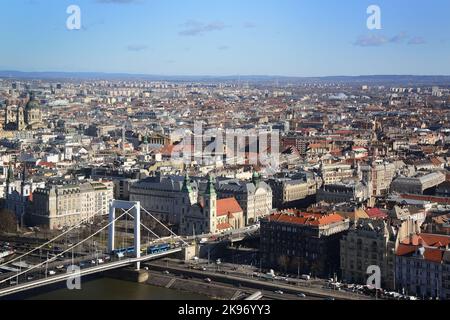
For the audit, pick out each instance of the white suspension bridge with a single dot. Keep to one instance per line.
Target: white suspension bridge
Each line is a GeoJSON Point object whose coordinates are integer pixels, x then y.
{"type": "Point", "coordinates": [38, 275]}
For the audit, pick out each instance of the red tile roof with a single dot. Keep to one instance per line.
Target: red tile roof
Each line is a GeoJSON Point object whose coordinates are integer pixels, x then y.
{"type": "Point", "coordinates": [317, 146]}
{"type": "Point", "coordinates": [375, 213]}
{"type": "Point", "coordinates": [436, 161]}
{"type": "Point", "coordinates": [224, 226]}
{"type": "Point", "coordinates": [46, 164]}
{"type": "Point", "coordinates": [434, 244]}
{"type": "Point", "coordinates": [403, 249]}
{"type": "Point", "coordinates": [432, 254]}
{"type": "Point", "coordinates": [227, 206]}
{"type": "Point", "coordinates": [169, 150]}
{"type": "Point", "coordinates": [310, 219]}
{"type": "Point", "coordinates": [440, 200]}
{"type": "Point", "coordinates": [344, 132]}
{"type": "Point", "coordinates": [426, 239]}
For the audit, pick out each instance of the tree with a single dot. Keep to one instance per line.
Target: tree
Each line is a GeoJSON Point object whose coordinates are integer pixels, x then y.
{"type": "Point", "coordinates": [316, 267]}
{"type": "Point", "coordinates": [8, 221]}
{"type": "Point", "coordinates": [299, 264]}
{"type": "Point", "coordinates": [283, 262]}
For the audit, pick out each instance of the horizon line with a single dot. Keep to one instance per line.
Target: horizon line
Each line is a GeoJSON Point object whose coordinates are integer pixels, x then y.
{"type": "Point", "coordinates": [131, 74]}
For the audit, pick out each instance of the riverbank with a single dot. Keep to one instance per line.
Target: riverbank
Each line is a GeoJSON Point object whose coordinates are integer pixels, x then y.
{"type": "Point", "coordinates": [211, 290]}
{"type": "Point", "coordinates": [172, 282]}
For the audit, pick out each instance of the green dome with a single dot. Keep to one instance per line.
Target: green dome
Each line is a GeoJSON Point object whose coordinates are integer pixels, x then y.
{"type": "Point", "coordinates": [256, 178]}
{"type": "Point", "coordinates": [33, 103]}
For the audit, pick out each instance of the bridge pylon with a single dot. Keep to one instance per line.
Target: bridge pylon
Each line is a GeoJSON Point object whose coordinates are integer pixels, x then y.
{"type": "Point", "coordinates": [134, 208]}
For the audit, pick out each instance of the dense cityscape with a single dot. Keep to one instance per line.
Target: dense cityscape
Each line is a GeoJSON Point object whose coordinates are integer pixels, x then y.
{"type": "Point", "coordinates": [361, 179]}
{"type": "Point", "coordinates": [224, 158]}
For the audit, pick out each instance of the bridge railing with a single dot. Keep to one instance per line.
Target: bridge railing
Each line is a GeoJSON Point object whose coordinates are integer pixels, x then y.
{"type": "Point", "coordinates": [63, 252]}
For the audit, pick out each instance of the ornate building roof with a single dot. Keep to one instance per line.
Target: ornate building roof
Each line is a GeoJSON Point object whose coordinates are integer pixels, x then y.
{"type": "Point", "coordinates": [32, 103]}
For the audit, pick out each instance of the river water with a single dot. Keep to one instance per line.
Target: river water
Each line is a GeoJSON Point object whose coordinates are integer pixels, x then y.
{"type": "Point", "coordinates": [112, 289]}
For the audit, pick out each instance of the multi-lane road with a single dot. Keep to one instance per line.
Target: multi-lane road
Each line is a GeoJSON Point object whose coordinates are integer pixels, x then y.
{"type": "Point", "coordinates": [270, 287]}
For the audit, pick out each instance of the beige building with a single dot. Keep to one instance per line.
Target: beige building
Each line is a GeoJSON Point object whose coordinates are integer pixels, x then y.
{"type": "Point", "coordinates": [374, 242]}
{"type": "Point", "coordinates": [379, 177]}
{"type": "Point", "coordinates": [24, 118]}
{"type": "Point", "coordinates": [418, 184]}
{"type": "Point", "coordinates": [370, 242]}
{"type": "Point", "coordinates": [336, 173]}
{"type": "Point", "coordinates": [290, 191]}
{"type": "Point", "coordinates": [255, 198]}
{"type": "Point", "coordinates": [61, 206]}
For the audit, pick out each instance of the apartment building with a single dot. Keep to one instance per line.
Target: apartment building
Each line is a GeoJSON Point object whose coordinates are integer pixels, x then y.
{"type": "Point", "coordinates": [65, 205]}
{"type": "Point", "coordinates": [306, 242]}
{"type": "Point", "coordinates": [423, 266]}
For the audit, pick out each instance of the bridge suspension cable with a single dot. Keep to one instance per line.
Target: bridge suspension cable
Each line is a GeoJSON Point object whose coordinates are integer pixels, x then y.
{"type": "Point", "coordinates": [173, 233]}
{"type": "Point", "coordinates": [62, 253]}
{"type": "Point", "coordinates": [145, 227]}
{"type": "Point", "coordinates": [52, 240]}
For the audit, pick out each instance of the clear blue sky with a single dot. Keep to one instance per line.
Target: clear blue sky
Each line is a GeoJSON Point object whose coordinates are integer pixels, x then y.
{"type": "Point", "coordinates": [227, 37]}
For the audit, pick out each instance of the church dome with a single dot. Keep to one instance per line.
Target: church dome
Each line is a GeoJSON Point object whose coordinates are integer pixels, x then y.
{"type": "Point", "coordinates": [32, 103]}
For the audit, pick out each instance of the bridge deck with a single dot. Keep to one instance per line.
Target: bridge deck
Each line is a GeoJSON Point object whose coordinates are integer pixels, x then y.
{"type": "Point", "coordinates": [83, 272]}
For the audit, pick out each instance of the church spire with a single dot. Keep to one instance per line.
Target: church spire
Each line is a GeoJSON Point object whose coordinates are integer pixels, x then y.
{"type": "Point", "coordinates": [210, 189]}
{"type": "Point", "coordinates": [10, 174]}
{"type": "Point", "coordinates": [186, 184]}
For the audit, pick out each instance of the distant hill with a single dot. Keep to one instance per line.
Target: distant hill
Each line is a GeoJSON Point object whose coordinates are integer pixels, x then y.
{"type": "Point", "coordinates": [367, 79]}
